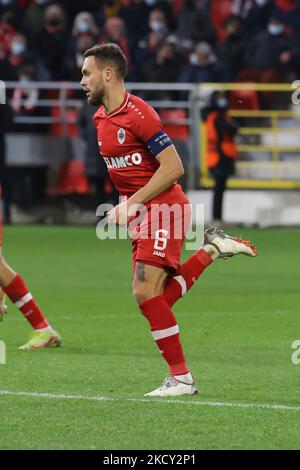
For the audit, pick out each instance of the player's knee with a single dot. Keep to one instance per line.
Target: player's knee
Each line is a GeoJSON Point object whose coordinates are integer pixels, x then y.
{"type": "Point", "coordinates": [142, 292]}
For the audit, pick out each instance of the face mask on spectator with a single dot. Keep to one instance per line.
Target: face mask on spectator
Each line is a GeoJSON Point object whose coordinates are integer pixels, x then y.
{"type": "Point", "coordinates": [24, 79]}
{"type": "Point", "coordinates": [157, 26]}
{"type": "Point", "coordinates": [261, 3]}
{"type": "Point", "coordinates": [222, 103]}
{"type": "Point", "coordinates": [54, 22]}
{"type": "Point", "coordinates": [275, 29]}
{"type": "Point", "coordinates": [83, 26]}
{"type": "Point", "coordinates": [150, 2]}
{"type": "Point", "coordinates": [17, 48]}
{"type": "Point", "coordinates": [194, 59]}
{"type": "Point", "coordinates": [41, 2]}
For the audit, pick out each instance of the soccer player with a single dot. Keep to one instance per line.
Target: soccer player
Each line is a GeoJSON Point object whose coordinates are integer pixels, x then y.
{"type": "Point", "coordinates": [12, 284]}
{"type": "Point", "coordinates": [144, 166]}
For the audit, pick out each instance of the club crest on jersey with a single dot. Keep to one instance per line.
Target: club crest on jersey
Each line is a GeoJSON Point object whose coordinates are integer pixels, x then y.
{"type": "Point", "coordinates": [121, 136]}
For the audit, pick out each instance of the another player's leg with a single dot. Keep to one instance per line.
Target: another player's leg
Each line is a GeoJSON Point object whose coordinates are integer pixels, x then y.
{"type": "Point", "coordinates": [16, 290]}
{"type": "Point", "coordinates": [148, 285]}
{"type": "Point", "coordinates": [3, 306]}
{"type": "Point", "coordinates": [216, 245]}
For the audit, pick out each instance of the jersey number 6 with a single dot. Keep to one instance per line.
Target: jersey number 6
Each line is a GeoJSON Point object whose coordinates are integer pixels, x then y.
{"type": "Point", "coordinates": [161, 239]}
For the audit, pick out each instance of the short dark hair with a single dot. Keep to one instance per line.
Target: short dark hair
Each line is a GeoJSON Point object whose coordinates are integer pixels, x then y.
{"type": "Point", "coordinates": [109, 53]}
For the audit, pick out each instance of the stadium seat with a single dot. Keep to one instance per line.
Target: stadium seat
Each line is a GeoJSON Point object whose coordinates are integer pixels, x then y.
{"type": "Point", "coordinates": [220, 10]}
{"type": "Point", "coordinates": [169, 119]}
{"type": "Point", "coordinates": [71, 179]}
{"type": "Point", "coordinates": [244, 99]}
{"type": "Point", "coordinates": [58, 129]}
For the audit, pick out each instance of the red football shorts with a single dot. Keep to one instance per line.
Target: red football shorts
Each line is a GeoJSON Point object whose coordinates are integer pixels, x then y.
{"type": "Point", "coordinates": [158, 233]}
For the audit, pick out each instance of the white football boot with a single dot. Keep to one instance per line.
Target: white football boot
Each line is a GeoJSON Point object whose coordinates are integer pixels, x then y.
{"type": "Point", "coordinates": [173, 387]}
{"type": "Point", "coordinates": [226, 245]}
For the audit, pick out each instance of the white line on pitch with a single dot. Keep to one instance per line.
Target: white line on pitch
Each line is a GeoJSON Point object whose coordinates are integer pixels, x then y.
{"type": "Point", "coordinates": [266, 406]}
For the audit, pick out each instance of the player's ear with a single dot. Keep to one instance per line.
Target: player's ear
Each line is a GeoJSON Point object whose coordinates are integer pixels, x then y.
{"type": "Point", "coordinates": [107, 73]}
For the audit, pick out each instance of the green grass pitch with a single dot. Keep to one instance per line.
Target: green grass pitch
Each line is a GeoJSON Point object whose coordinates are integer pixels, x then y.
{"type": "Point", "coordinates": [237, 326]}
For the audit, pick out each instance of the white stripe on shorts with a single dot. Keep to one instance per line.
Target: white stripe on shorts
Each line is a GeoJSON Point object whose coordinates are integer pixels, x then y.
{"type": "Point", "coordinates": [182, 282]}
{"type": "Point", "coordinates": [27, 298]}
{"type": "Point", "coordinates": [161, 334]}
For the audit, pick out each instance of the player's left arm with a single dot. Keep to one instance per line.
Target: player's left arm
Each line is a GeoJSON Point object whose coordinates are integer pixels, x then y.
{"type": "Point", "coordinates": [149, 130]}
{"type": "Point", "coordinates": [169, 170]}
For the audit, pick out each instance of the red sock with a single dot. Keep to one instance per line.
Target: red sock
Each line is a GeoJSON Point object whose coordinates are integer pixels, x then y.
{"type": "Point", "coordinates": [165, 332]}
{"type": "Point", "coordinates": [188, 274]}
{"type": "Point", "coordinates": [23, 300]}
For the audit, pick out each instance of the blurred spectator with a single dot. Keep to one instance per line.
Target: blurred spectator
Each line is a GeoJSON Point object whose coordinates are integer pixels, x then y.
{"type": "Point", "coordinates": [158, 31]}
{"type": "Point", "coordinates": [115, 31]}
{"type": "Point", "coordinates": [74, 63]}
{"type": "Point", "coordinates": [50, 44]}
{"type": "Point", "coordinates": [258, 17]}
{"type": "Point", "coordinates": [135, 16]}
{"type": "Point", "coordinates": [19, 54]}
{"type": "Point", "coordinates": [194, 23]}
{"type": "Point", "coordinates": [232, 50]}
{"type": "Point", "coordinates": [166, 7]}
{"type": "Point", "coordinates": [111, 7]}
{"type": "Point", "coordinates": [288, 13]}
{"type": "Point", "coordinates": [7, 31]}
{"type": "Point", "coordinates": [269, 56]}
{"type": "Point", "coordinates": [14, 11]}
{"type": "Point", "coordinates": [25, 98]}
{"type": "Point", "coordinates": [84, 27]}
{"type": "Point", "coordinates": [203, 67]}
{"type": "Point", "coordinates": [5, 125]}
{"type": "Point", "coordinates": [34, 17]}
{"type": "Point", "coordinates": [165, 68]}
{"type": "Point", "coordinates": [25, 101]}
{"type": "Point", "coordinates": [76, 6]}
{"type": "Point", "coordinates": [221, 151]}
{"type": "Point", "coordinates": [95, 167]}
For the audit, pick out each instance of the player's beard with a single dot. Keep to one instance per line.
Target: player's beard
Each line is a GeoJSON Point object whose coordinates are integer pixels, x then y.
{"type": "Point", "coordinates": [96, 98]}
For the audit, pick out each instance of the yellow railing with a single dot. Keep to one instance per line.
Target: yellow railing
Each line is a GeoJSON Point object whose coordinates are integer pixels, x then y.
{"type": "Point", "coordinates": [273, 149]}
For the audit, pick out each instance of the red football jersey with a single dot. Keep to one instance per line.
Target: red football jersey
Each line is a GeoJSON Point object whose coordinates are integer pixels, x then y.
{"type": "Point", "coordinates": [129, 138]}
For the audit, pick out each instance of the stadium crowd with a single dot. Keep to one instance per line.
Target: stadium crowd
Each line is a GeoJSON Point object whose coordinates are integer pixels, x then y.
{"type": "Point", "coordinates": [177, 41]}
{"type": "Point", "coordinates": [164, 41]}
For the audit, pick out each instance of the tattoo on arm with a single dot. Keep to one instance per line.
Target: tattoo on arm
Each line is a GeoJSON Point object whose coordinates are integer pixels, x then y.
{"type": "Point", "coordinates": [140, 272]}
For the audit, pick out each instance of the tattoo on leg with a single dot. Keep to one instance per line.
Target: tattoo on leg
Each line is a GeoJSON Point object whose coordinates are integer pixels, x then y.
{"type": "Point", "coordinates": [140, 272]}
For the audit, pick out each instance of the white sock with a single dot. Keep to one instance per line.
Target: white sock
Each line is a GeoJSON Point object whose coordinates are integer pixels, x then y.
{"type": "Point", "coordinates": [211, 251]}
{"type": "Point", "coordinates": [186, 378]}
{"type": "Point", "coordinates": [48, 329]}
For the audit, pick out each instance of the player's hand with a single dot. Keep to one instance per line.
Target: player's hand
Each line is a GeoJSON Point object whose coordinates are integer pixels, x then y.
{"type": "Point", "coordinates": [119, 214]}
{"type": "Point", "coordinates": [123, 213]}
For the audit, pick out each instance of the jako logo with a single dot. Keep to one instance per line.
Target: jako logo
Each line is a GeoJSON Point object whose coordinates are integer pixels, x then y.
{"type": "Point", "coordinates": [2, 353]}
{"type": "Point", "coordinates": [296, 354]}
{"type": "Point", "coordinates": [123, 162]}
